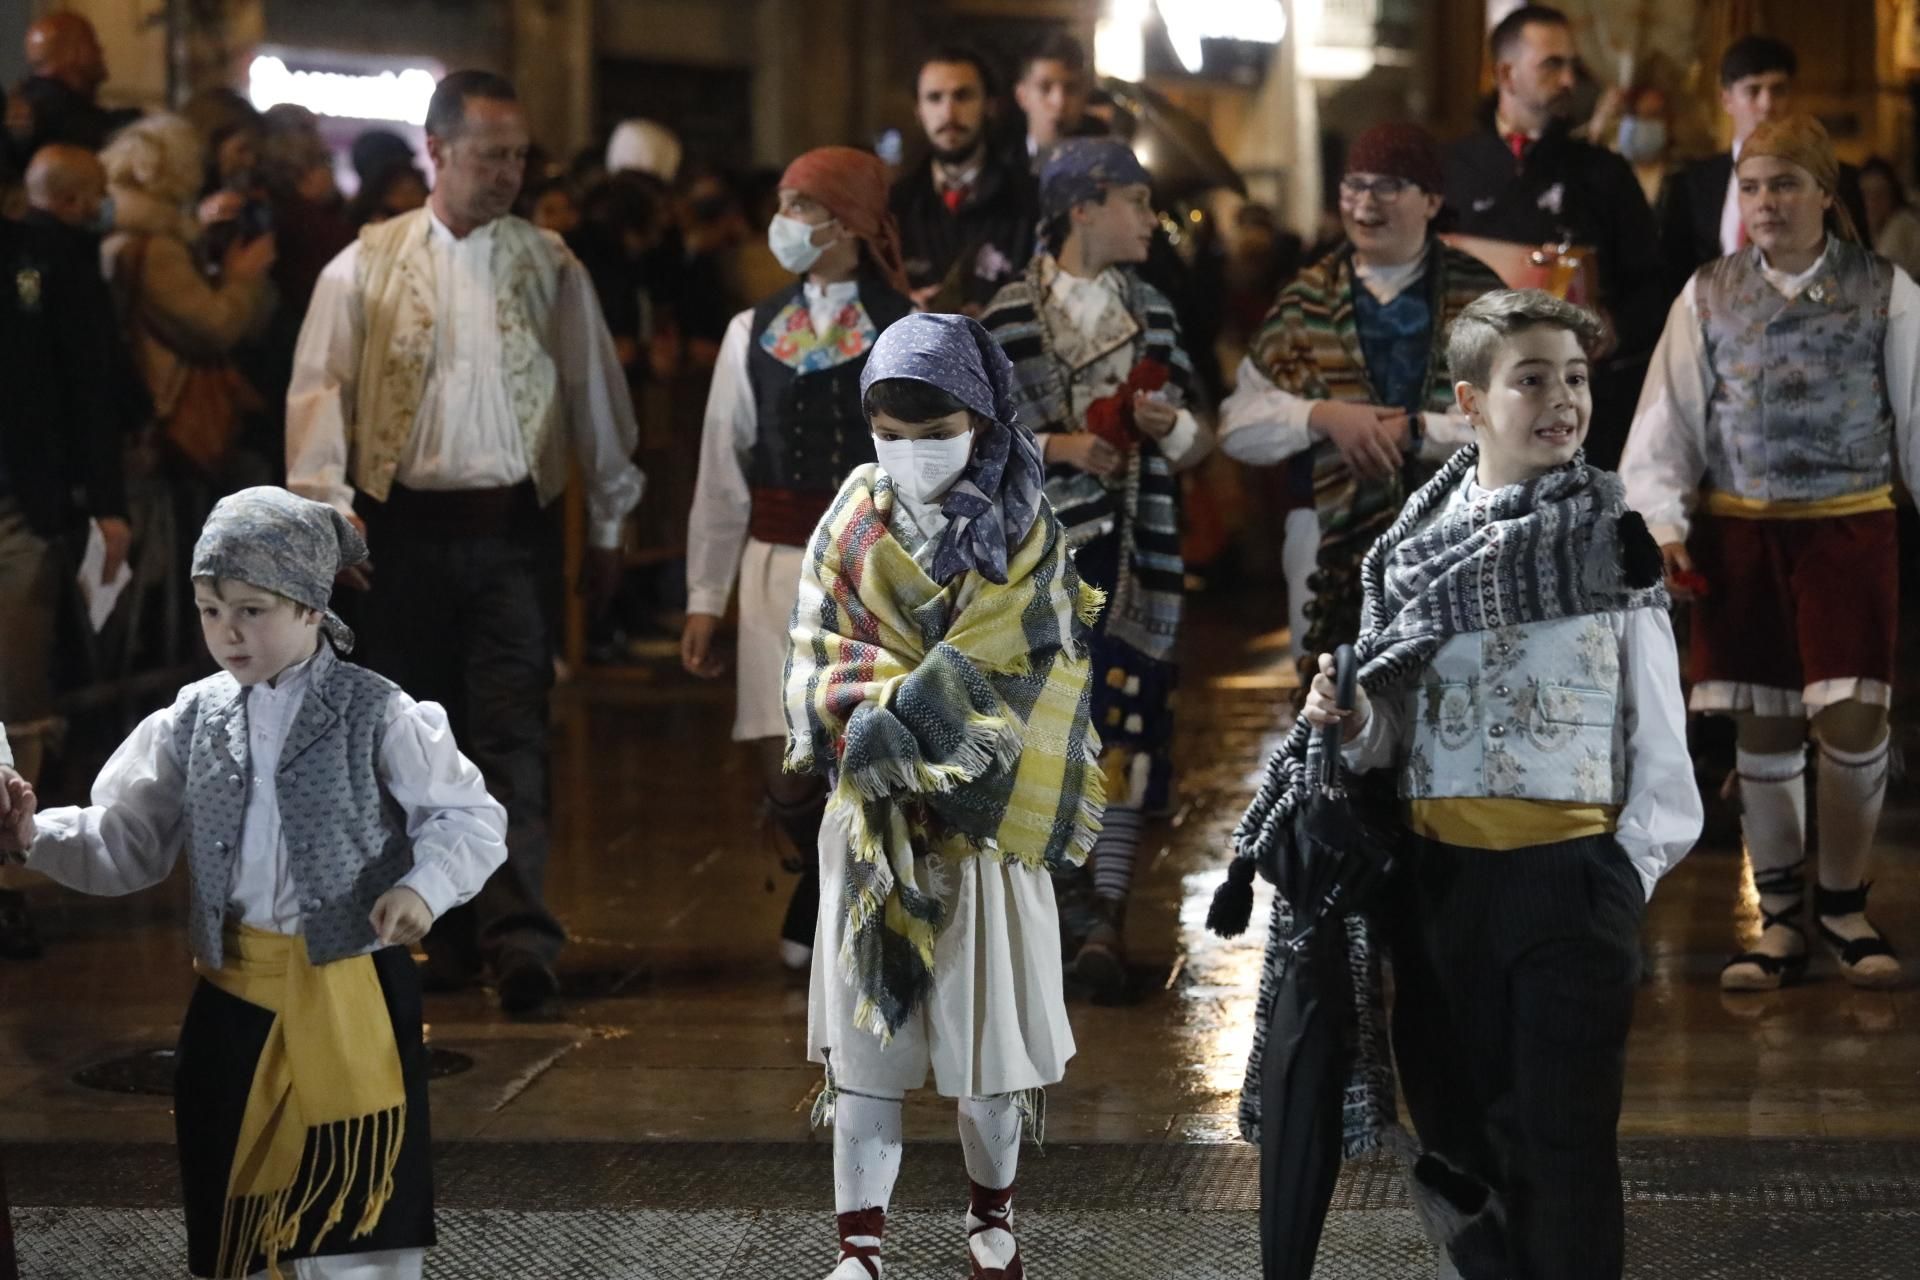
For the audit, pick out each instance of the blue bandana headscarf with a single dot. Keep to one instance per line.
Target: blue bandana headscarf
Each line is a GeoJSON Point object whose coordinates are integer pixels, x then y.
{"type": "Point", "coordinates": [1080, 170]}
{"type": "Point", "coordinates": [956, 355]}
{"type": "Point", "coordinates": [278, 541]}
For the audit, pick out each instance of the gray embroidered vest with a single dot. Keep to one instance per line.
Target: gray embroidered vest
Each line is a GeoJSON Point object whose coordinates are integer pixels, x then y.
{"type": "Point", "coordinates": [346, 842]}
{"type": "Point", "coordinates": [1799, 408]}
{"type": "Point", "coordinates": [1526, 713]}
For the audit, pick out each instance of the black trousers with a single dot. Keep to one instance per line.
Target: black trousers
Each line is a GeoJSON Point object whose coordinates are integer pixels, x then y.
{"type": "Point", "coordinates": [461, 614]}
{"type": "Point", "coordinates": [1514, 977]}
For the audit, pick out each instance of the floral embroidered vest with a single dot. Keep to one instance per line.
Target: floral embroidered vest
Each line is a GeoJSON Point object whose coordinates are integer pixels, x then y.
{"type": "Point", "coordinates": [398, 296]}
{"type": "Point", "coordinates": [1799, 409]}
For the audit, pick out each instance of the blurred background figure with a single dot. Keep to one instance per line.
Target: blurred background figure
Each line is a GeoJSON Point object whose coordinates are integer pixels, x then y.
{"type": "Point", "coordinates": [1052, 90]}
{"type": "Point", "coordinates": [391, 180]}
{"type": "Point", "coordinates": [59, 99]}
{"type": "Point", "coordinates": [1893, 228]}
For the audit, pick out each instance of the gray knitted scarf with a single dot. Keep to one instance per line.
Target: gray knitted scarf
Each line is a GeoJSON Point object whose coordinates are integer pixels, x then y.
{"type": "Point", "coordinates": [1559, 546]}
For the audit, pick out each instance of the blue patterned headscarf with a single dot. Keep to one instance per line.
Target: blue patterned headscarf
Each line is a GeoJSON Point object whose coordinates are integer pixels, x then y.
{"type": "Point", "coordinates": [956, 355]}
{"type": "Point", "coordinates": [1080, 170]}
{"type": "Point", "coordinates": [278, 541]}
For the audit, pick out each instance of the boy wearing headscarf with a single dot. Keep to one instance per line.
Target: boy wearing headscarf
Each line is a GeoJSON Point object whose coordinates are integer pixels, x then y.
{"type": "Point", "coordinates": [1763, 457]}
{"type": "Point", "coordinates": [327, 819]}
{"type": "Point", "coordinates": [938, 679]}
{"type": "Point", "coordinates": [783, 429]}
{"type": "Point", "coordinates": [1346, 383]}
{"type": "Point", "coordinates": [1101, 375]}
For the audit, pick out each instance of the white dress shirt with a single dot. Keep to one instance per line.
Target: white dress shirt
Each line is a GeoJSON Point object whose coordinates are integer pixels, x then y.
{"type": "Point", "coordinates": [1730, 209]}
{"type": "Point", "coordinates": [465, 434]}
{"type": "Point", "coordinates": [130, 836]}
{"type": "Point", "coordinates": [1666, 452]}
{"type": "Point", "coordinates": [722, 498]}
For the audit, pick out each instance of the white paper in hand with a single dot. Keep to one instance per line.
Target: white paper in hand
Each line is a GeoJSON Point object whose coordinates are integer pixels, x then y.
{"type": "Point", "coordinates": [100, 597]}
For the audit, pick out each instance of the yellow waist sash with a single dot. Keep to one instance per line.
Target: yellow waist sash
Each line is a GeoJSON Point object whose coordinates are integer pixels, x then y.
{"type": "Point", "coordinates": [1487, 822]}
{"type": "Point", "coordinates": [1849, 504]}
{"type": "Point", "coordinates": [328, 1106]}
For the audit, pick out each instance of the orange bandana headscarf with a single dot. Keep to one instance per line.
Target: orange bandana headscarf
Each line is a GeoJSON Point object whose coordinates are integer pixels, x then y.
{"type": "Point", "coordinates": [1803, 141]}
{"type": "Point", "coordinates": [852, 184]}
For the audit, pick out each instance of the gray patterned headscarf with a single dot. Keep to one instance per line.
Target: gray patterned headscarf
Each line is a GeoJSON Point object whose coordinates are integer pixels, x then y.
{"type": "Point", "coordinates": [956, 355]}
{"type": "Point", "coordinates": [1080, 170]}
{"type": "Point", "coordinates": [278, 541]}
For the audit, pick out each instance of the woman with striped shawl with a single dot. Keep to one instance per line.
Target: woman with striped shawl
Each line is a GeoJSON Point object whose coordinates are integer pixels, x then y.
{"type": "Point", "coordinates": [1100, 373]}
{"type": "Point", "coordinates": [938, 678]}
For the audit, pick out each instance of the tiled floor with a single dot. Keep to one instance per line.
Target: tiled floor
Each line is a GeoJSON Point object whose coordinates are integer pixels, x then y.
{"type": "Point", "coordinates": [677, 1024]}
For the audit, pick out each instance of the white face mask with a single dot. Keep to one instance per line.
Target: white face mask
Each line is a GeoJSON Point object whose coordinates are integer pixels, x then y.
{"type": "Point", "coordinates": [923, 470]}
{"type": "Point", "coordinates": [792, 243]}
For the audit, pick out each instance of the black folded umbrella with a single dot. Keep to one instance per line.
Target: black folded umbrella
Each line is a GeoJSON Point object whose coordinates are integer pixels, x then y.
{"type": "Point", "coordinates": [1336, 855]}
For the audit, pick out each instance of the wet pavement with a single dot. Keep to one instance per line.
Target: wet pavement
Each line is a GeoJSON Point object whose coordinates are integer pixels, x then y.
{"type": "Point", "coordinates": [676, 1026]}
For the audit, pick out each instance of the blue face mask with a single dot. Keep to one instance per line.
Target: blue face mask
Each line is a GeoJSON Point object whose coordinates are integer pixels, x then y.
{"type": "Point", "coordinates": [103, 221]}
{"type": "Point", "coordinates": [1642, 141]}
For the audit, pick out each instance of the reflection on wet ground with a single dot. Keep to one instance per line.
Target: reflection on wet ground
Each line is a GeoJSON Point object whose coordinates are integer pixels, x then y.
{"type": "Point", "coordinates": [676, 1022]}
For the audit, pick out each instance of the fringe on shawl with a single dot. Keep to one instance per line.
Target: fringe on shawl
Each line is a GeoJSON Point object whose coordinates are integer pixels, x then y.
{"type": "Point", "coordinates": [269, 1225]}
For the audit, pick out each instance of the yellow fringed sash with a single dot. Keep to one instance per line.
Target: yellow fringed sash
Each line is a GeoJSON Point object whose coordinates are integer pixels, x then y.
{"type": "Point", "coordinates": [327, 1098]}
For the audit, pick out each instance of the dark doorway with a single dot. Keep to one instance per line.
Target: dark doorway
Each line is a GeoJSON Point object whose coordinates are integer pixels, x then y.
{"type": "Point", "coordinates": [711, 108]}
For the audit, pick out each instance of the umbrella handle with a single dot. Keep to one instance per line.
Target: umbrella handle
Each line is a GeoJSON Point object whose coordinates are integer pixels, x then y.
{"type": "Point", "coordinates": [1346, 674]}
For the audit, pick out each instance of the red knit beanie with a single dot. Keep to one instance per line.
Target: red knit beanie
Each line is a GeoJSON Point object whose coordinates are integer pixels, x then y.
{"type": "Point", "coordinates": [1399, 150]}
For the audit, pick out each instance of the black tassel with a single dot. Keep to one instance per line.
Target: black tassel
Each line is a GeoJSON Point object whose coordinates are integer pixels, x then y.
{"type": "Point", "coordinates": [1233, 901]}
{"type": "Point", "coordinates": [1640, 561]}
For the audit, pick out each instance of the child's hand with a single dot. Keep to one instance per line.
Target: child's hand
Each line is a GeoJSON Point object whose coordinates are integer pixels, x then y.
{"type": "Point", "coordinates": [17, 806]}
{"type": "Point", "coordinates": [1154, 417]}
{"type": "Point", "coordinates": [1321, 709]}
{"type": "Point", "coordinates": [401, 917]}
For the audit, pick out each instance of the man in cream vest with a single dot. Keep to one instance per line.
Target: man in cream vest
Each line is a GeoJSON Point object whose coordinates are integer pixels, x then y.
{"type": "Point", "coordinates": [451, 359]}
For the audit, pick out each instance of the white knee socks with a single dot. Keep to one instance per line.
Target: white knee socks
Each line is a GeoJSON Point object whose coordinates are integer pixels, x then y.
{"type": "Point", "coordinates": [866, 1151]}
{"type": "Point", "coordinates": [1853, 786]}
{"type": "Point", "coordinates": [990, 1138]}
{"type": "Point", "coordinates": [1773, 804]}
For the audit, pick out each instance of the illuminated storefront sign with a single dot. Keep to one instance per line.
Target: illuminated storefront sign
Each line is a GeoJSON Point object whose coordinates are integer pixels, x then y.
{"type": "Point", "coordinates": [400, 96]}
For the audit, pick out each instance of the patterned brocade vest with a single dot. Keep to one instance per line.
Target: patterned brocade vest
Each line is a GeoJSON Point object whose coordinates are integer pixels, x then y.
{"type": "Point", "coordinates": [1799, 409]}
{"type": "Point", "coordinates": [346, 843]}
{"type": "Point", "coordinates": [811, 429]}
{"type": "Point", "coordinates": [397, 291]}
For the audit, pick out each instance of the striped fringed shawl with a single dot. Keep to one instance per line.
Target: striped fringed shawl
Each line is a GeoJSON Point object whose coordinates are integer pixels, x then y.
{"type": "Point", "coordinates": [1144, 612]}
{"type": "Point", "coordinates": [953, 718]}
{"type": "Point", "coordinates": [1557, 547]}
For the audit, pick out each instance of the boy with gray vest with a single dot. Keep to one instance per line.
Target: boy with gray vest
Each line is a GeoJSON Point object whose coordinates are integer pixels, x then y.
{"type": "Point", "coordinates": [327, 819]}
{"type": "Point", "coordinates": [1762, 457]}
{"type": "Point", "coordinates": [1518, 674]}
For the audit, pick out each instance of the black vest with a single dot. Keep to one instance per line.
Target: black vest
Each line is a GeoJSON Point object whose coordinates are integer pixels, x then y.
{"type": "Point", "coordinates": [812, 431]}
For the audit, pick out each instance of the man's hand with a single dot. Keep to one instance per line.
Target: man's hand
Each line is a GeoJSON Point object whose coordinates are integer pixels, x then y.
{"type": "Point", "coordinates": [1086, 451]}
{"type": "Point", "coordinates": [116, 535]}
{"type": "Point", "coordinates": [600, 574]}
{"type": "Point", "coordinates": [696, 646]}
{"type": "Point", "coordinates": [249, 259]}
{"type": "Point", "coordinates": [17, 805]}
{"type": "Point", "coordinates": [400, 917]}
{"type": "Point", "coordinates": [1155, 418]}
{"type": "Point", "coordinates": [1370, 437]}
{"type": "Point", "coordinates": [1322, 708]}
{"type": "Point", "coordinates": [1683, 580]}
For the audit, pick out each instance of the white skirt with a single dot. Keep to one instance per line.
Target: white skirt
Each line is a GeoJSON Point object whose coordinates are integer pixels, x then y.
{"type": "Point", "coordinates": [996, 1019]}
{"type": "Point", "coordinates": [769, 586]}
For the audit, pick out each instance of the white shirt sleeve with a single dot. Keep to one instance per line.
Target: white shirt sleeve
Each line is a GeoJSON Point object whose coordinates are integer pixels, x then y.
{"type": "Point", "coordinates": [459, 832]}
{"type": "Point", "coordinates": [1903, 383]}
{"type": "Point", "coordinates": [1443, 434]}
{"type": "Point", "coordinates": [320, 398]}
{"type": "Point", "coordinates": [1666, 451]}
{"type": "Point", "coordinates": [129, 837]}
{"type": "Point", "coordinates": [6, 749]}
{"type": "Point", "coordinates": [1379, 740]}
{"type": "Point", "coordinates": [1187, 442]}
{"type": "Point", "coordinates": [598, 405]}
{"type": "Point", "coordinates": [1260, 424]}
{"type": "Point", "coordinates": [1663, 816]}
{"type": "Point", "coordinates": [722, 501]}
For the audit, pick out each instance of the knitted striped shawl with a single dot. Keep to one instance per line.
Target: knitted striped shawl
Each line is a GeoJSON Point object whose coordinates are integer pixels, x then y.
{"type": "Point", "coordinates": [954, 719]}
{"type": "Point", "coordinates": [1557, 547]}
{"type": "Point", "coordinates": [1147, 596]}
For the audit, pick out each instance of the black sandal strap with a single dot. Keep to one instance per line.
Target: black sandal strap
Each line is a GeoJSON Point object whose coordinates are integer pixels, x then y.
{"type": "Point", "coordinates": [1841, 902]}
{"type": "Point", "coordinates": [1854, 950]}
{"type": "Point", "coordinates": [1772, 966]}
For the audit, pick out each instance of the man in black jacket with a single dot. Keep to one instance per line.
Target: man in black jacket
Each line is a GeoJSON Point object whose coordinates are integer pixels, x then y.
{"type": "Point", "coordinates": [1700, 206]}
{"type": "Point", "coordinates": [966, 215]}
{"type": "Point", "coordinates": [1521, 177]}
{"type": "Point", "coordinates": [59, 99]}
{"type": "Point", "coordinates": [57, 434]}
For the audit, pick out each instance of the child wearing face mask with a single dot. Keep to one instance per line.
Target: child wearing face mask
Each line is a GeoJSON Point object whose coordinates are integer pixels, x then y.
{"type": "Point", "coordinates": [1102, 375]}
{"type": "Point", "coordinates": [938, 680]}
{"type": "Point", "coordinates": [327, 820]}
{"type": "Point", "coordinates": [783, 429]}
{"type": "Point", "coordinates": [1518, 677]}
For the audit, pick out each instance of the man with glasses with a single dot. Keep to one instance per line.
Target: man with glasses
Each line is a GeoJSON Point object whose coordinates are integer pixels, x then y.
{"type": "Point", "coordinates": [1346, 382]}
{"type": "Point", "coordinates": [1521, 177]}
